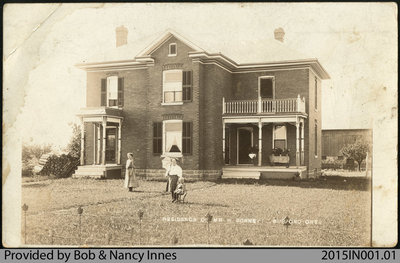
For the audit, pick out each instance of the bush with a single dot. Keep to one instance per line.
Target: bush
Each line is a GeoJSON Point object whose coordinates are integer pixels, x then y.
{"type": "Point", "coordinates": [333, 163]}
{"type": "Point", "coordinates": [60, 166]}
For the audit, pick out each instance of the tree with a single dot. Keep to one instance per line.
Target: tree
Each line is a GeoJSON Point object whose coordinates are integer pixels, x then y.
{"type": "Point", "coordinates": [74, 146]}
{"type": "Point", "coordinates": [356, 151]}
{"type": "Point", "coordinates": [31, 154]}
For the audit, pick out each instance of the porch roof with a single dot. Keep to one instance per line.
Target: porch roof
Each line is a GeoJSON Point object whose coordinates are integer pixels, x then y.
{"type": "Point", "coordinates": [96, 113]}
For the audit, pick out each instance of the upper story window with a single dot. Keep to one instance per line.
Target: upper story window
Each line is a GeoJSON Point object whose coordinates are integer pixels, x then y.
{"type": "Point", "coordinates": [112, 89]}
{"type": "Point", "coordinates": [177, 86]}
{"type": "Point", "coordinates": [266, 87]}
{"type": "Point", "coordinates": [172, 51]}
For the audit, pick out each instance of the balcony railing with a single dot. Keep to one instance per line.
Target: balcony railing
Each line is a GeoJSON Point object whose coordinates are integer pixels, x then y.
{"type": "Point", "coordinates": [264, 106]}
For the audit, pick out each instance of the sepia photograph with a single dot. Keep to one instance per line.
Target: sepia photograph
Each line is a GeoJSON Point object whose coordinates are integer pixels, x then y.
{"type": "Point", "coordinates": [200, 125]}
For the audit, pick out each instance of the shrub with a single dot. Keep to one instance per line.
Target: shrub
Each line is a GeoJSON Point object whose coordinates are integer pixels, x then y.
{"type": "Point", "coordinates": [60, 166]}
{"type": "Point", "coordinates": [332, 163]}
{"type": "Point", "coordinates": [74, 146]}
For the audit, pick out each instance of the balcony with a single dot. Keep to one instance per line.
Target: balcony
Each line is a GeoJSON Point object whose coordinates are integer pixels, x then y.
{"type": "Point", "coordinates": [262, 106]}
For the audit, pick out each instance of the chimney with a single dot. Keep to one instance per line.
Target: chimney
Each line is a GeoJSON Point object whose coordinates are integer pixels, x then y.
{"type": "Point", "coordinates": [279, 34]}
{"type": "Point", "coordinates": [121, 34]}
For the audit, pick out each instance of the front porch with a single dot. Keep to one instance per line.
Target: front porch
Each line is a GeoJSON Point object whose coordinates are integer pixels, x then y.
{"type": "Point", "coordinates": [264, 138]}
{"type": "Point", "coordinates": [100, 143]}
{"type": "Point", "coordinates": [263, 172]}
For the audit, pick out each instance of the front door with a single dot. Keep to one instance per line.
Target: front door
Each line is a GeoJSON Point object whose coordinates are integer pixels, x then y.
{"type": "Point", "coordinates": [244, 144]}
{"type": "Point", "coordinates": [111, 143]}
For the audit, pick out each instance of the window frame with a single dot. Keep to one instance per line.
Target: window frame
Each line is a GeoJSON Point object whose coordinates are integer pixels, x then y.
{"type": "Point", "coordinates": [164, 139]}
{"type": "Point", "coordinates": [273, 86]}
{"type": "Point", "coordinates": [273, 135]}
{"type": "Point", "coordinates": [169, 50]}
{"type": "Point", "coordinates": [104, 91]}
{"type": "Point", "coordinates": [163, 87]}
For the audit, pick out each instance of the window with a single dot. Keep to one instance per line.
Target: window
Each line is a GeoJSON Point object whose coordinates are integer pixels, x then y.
{"type": "Point", "coordinates": [187, 138]}
{"type": "Point", "coordinates": [187, 86]}
{"type": "Point", "coordinates": [280, 136]}
{"type": "Point", "coordinates": [266, 88]}
{"type": "Point", "coordinates": [112, 89]}
{"type": "Point", "coordinates": [316, 140]}
{"type": "Point", "coordinates": [157, 137]}
{"type": "Point", "coordinates": [316, 93]}
{"type": "Point", "coordinates": [177, 139]}
{"type": "Point", "coordinates": [172, 49]}
{"type": "Point", "coordinates": [177, 86]}
{"type": "Point", "coordinates": [173, 136]}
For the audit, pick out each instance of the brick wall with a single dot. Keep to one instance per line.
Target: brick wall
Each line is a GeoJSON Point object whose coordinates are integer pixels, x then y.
{"type": "Point", "coordinates": [288, 84]}
{"type": "Point", "coordinates": [314, 116]}
{"type": "Point", "coordinates": [215, 82]}
{"type": "Point", "coordinates": [189, 110]}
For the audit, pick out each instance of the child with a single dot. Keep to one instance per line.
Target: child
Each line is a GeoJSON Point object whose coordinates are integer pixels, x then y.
{"type": "Point", "coordinates": [180, 190]}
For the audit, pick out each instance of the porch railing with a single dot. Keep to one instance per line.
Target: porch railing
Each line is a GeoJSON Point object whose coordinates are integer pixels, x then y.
{"type": "Point", "coordinates": [264, 106]}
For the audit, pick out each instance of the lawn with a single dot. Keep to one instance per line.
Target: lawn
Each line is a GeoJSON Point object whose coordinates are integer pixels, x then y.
{"type": "Point", "coordinates": [330, 211]}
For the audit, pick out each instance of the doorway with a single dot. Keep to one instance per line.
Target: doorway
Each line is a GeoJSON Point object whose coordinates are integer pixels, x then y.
{"type": "Point", "coordinates": [111, 144]}
{"type": "Point", "coordinates": [244, 142]}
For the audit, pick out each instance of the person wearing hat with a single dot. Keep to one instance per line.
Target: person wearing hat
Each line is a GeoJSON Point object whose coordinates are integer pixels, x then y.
{"type": "Point", "coordinates": [174, 172]}
{"type": "Point", "coordinates": [130, 178]}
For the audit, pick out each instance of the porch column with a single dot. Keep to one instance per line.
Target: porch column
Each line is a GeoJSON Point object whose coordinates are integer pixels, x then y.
{"type": "Point", "coordinates": [297, 144]}
{"type": "Point", "coordinates": [302, 144]}
{"type": "Point", "coordinates": [103, 156]}
{"type": "Point", "coordinates": [259, 142]}
{"type": "Point", "coordinates": [82, 142]}
{"type": "Point", "coordinates": [223, 141]}
{"type": "Point", "coordinates": [119, 142]}
{"type": "Point", "coordinates": [98, 142]}
{"type": "Point", "coordinates": [94, 143]}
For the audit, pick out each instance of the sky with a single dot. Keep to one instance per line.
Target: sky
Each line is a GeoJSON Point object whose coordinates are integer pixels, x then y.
{"type": "Point", "coordinates": [43, 90]}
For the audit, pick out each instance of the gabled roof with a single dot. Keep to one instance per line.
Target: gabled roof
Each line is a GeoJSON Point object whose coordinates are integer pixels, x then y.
{"type": "Point", "coordinates": [238, 55]}
{"type": "Point", "coordinates": [163, 38]}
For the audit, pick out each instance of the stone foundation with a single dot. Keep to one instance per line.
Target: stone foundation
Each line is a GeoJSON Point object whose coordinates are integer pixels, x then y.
{"type": "Point", "coordinates": [190, 175]}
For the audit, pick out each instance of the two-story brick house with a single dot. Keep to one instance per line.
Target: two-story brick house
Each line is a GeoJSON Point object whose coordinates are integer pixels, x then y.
{"type": "Point", "coordinates": [174, 98]}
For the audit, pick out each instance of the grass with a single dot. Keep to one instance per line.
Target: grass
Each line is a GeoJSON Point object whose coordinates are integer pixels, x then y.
{"type": "Point", "coordinates": [330, 211]}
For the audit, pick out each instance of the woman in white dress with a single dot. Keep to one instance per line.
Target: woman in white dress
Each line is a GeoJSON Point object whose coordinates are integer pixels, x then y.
{"type": "Point", "coordinates": [130, 177]}
{"type": "Point", "coordinates": [174, 172]}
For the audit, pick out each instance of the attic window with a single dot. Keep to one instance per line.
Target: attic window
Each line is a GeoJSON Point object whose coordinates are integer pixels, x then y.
{"type": "Point", "coordinates": [172, 49]}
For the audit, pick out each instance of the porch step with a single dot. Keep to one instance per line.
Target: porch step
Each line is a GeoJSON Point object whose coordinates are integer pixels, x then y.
{"type": "Point", "coordinates": [98, 171]}
{"type": "Point", "coordinates": [227, 173]}
{"type": "Point", "coordinates": [88, 171]}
